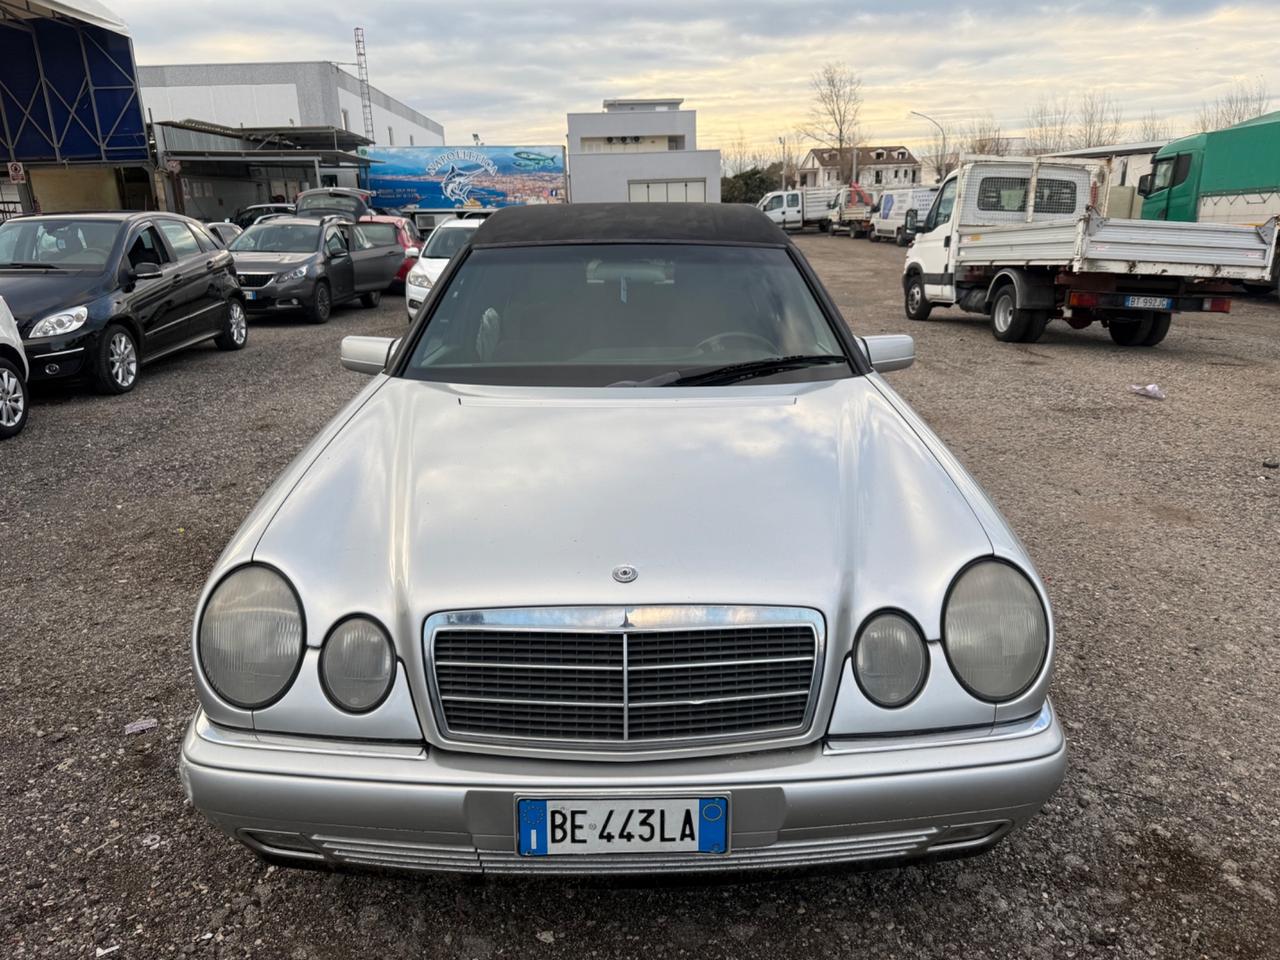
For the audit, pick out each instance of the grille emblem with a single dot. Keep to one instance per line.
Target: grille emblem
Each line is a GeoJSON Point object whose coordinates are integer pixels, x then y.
{"type": "Point", "coordinates": [625, 573]}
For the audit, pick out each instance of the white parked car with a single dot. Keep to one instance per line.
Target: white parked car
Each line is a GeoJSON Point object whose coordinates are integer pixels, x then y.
{"type": "Point", "coordinates": [13, 376]}
{"type": "Point", "coordinates": [446, 240]}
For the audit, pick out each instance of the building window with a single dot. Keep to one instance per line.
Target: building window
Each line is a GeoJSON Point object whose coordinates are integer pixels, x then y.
{"type": "Point", "coordinates": [391, 136]}
{"type": "Point", "coordinates": [915, 175]}
{"type": "Point", "coordinates": [879, 178]}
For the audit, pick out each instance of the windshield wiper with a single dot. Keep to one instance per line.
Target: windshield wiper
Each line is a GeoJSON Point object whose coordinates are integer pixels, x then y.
{"type": "Point", "coordinates": [28, 265]}
{"type": "Point", "coordinates": [751, 369]}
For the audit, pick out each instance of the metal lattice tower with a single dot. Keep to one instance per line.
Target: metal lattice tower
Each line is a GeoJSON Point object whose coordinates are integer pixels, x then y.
{"type": "Point", "coordinates": [362, 71]}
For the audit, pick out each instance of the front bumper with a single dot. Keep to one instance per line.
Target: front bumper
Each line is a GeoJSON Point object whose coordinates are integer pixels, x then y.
{"type": "Point", "coordinates": [413, 297]}
{"type": "Point", "coordinates": [416, 808]}
{"type": "Point", "coordinates": [279, 297]}
{"type": "Point", "coordinates": [60, 358]}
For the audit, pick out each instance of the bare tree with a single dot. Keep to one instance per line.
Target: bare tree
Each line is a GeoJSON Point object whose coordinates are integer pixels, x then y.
{"type": "Point", "coordinates": [833, 117]}
{"type": "Point", "coordinates": [985, 137]}
{"type": "Point", "coordinates": [1049, 122]}
{"type": "Point", "coordinates": [1244, 101]}
{"type": "Point", "coordinates": [1098, 120]}
{"type": "Point", "coordinates": [1151, 127]}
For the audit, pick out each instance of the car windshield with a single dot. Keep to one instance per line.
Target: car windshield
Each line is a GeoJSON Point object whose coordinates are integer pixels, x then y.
{"type": "Point", "coordinates": [62, 244]}
{"type": "Point", "coordinates": [317, 202]}
{"type": "Point", "coordinates": [444, 243]}
{"type": "Point", "coordinates": [592, 315]}
{"type": "Point", "coordinates": [278, 238]}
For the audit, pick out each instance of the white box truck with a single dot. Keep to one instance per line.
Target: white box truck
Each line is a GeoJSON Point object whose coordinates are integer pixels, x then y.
{"type": "Point", "coordinates": [891, 221]}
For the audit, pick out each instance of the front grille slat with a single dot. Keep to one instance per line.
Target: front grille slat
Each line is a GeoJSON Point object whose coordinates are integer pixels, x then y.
{"type": "Point", "coordinates": [254, 279]}
{"type": "Point", "coordinates": [622, 687]}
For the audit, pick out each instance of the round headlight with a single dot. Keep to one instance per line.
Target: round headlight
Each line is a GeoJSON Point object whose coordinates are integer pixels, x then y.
{"type": "Point", "coordinates": [252, 637]}
{"type": "Point", "coordinates": [995, 631]}
{"type": "Point", "coordinates": [890, 660]}
{"type": "Point", "coordinates": [357, 665]}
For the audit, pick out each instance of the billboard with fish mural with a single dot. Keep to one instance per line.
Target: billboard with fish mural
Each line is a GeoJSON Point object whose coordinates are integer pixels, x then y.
{"type": "Point", "coordinates": [434, 178]}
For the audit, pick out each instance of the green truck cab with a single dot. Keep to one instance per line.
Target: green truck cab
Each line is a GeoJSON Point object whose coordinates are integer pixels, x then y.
{"type": "Point", "coordinates": [1224, 176]}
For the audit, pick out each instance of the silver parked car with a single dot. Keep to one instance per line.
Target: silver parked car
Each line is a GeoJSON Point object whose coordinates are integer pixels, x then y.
{"type": "Point", "coordinates": [626, 560]}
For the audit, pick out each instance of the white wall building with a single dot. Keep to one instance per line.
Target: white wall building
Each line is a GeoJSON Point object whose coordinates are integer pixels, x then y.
{"type": "Point", "coordinates": [877, 167]}
{"type": "Point", "coordinates": [640, 151]}
{"type": "Point", "coordinates": [304, 94]}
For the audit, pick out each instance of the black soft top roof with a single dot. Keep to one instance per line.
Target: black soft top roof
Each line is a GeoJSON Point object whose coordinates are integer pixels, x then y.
{"type": "Point", "coordinates": [636, 222]}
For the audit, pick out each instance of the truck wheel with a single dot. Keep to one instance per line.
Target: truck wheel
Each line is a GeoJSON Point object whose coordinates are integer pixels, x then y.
{"type": "Point", "coordinates": [1159, 329]}
{"type": "Point", "coordinates": [918, 308]}
{"type": "Point", "coordinates": [900, 238]}
{"type": "Point", "coordinates": [1039, 319]}
{"type": "Point", "coordinates": [1008, 323]}
{"type": "Point", "coordinates": [873, 236]}
{"type": "Point", "coordinates": [1131, 331]}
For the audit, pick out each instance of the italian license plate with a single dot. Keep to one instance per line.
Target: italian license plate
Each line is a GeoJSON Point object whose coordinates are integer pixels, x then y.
{"type": "Point", "coordinates": [250, 294]}
{"type": "Point", "coordinates": [1149, 303]}
{"type": "Point", "coordinates": [698, 825]}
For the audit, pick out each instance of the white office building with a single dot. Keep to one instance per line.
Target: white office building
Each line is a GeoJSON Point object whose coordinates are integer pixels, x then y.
{"type": "Point", "coordinates": [641, 151]}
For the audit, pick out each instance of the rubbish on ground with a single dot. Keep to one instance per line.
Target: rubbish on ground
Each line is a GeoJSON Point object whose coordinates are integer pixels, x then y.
{"type": "Point", "coordinates": [141, 726]}
{"type": "Point", "coordinates": [104, 951]}
{"type": "Point", "coordinates": [1151, 390]}
{"type": "Point", "coordinates": [1272, 463]}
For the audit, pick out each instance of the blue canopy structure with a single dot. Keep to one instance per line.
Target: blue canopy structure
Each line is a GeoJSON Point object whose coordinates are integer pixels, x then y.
{"type": "Point", "coordinates": [68, 85]}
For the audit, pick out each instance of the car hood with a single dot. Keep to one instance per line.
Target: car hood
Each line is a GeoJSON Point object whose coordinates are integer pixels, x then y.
{"type": "Point", "coordinates": [268, 262]}
{"type": "Point", "coordinates": [433, 497]}
{"type": "Point", "coordinates": [33, 294]}
{"type": "Point", "coordinates": [433, 266]}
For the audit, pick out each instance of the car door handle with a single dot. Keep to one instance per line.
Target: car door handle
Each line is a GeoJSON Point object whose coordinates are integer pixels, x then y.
{"type": "Point", "coordinates": [210, 265]}
{"type": "Point", "coordinates": [394, 253]}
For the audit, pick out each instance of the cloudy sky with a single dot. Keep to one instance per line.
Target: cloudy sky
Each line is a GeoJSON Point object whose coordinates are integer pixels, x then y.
{"type": "Point", "coordinates": [510, 69]}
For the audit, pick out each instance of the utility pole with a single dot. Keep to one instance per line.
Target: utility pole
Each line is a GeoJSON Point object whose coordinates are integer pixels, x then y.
{"type": "Point", "coordinates": [782, 142]}
{"type": "Point", "coordinates": [362, 71]}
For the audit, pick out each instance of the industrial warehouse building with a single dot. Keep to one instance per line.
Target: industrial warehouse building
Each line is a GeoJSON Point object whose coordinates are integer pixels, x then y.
{"type": "Point", "coordinates": [302, 94]}
{"type": "Point", "coordinates": [640, 151]}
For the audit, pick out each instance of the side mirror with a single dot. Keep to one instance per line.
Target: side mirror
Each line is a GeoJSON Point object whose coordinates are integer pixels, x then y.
{"type": "Point", "coordinates": [912, 221]}
{"type": "Point", "coordinates": [1144, 185]}
{"type": "Point", "coordinates": [367, 354]}
{"type": "Point", "coordinates": [147, 271]}
{"type": "Point", "coordinates": [412, 253]}
{"type": "Point", "coordinates": [894, 351]}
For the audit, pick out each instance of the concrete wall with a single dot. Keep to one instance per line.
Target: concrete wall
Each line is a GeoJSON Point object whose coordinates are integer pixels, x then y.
{"type": "Point", "coordinates": [605, 177]}
{"type": "Point", "coordinates": [312, 93]}
{"type": "Point", "coordinates": [634, 123]}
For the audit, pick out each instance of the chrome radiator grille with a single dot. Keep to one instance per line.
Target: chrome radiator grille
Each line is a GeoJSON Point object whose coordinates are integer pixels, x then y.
{"type": "Point", "coordinates": [255, 279]}
{"type": "Point", "coordinates": [623, 687]}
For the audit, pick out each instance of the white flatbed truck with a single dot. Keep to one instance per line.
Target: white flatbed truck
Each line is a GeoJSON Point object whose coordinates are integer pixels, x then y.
{"type": "Point", "coordinates": [1021, 240]}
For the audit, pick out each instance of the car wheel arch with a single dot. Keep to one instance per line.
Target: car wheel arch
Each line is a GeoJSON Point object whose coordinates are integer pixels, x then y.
{"type": "Point", "coordinates": [16, 358]}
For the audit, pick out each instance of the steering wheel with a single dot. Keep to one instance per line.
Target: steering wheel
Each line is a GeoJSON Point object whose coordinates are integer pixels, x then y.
{"type": "Point", "coordinates": [716, 342]}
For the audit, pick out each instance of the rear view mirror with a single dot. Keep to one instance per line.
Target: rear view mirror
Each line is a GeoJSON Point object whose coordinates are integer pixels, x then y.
{"type": "Point", "coordinates": [912, 221]}
{"type": "Point", "coordinates": [412, 253]}
{"type": "Point", "coordinates": [147, 271]}
{"type": "Point", "coordinates": [367, 354]}
{"type": "Point", "coordinates": [1144, 185]}
{"type": "Point", "coordinates": [895, 351]}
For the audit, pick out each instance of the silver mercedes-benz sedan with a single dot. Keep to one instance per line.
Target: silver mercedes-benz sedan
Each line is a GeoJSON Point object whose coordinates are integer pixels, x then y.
{"type": "Point", "coordinates": [626, 560]}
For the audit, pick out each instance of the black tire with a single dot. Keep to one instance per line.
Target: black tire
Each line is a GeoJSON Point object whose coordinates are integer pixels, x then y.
{"type": "Point", "coordinates": [900, 238]}
{"type": "Point", "coordinates": [15, 401]}
{"type": "Point", "coordinates": [914, 301]}
{"type": "Point", "coordinates": [115, 364]}
{"type": "Point", "coordinates": [1008, 323]}
{"type": "Point", "coordinates": [1159, 329]}
{"type": "Point", "coordinates": [1131, 331]}
{"type": "Point", "coordinates": [321, 308]}
{"type": "Point", "coordinates": [873, 236]}
{"type": "Point", "coordinates": [235, 329]}
{"type": "Point", "coordinates": [824, 226]}
{"type": "Point", "coordinates": [1038, 320]}
{"type": "Point", "coordinates": [371, 299]}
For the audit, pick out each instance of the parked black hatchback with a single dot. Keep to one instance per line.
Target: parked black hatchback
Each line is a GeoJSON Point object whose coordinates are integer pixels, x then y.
{"type": "Point", "coordinates": [99, 294]}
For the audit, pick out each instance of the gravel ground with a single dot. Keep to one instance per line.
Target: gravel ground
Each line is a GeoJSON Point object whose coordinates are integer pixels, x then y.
{"type": "Point", "coordinates": [1155, 525]}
